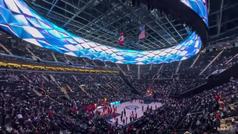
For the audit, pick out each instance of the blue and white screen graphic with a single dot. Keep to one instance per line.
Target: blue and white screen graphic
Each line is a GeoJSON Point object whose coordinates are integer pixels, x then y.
{"type": "Point", "coordinates": [18, 19]}
{"type": "Point", "coordinates": [198, 6]}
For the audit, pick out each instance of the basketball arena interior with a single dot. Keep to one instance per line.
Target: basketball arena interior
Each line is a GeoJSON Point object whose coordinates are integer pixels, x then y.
{"type": "Point", "coordinates": [119, 66]}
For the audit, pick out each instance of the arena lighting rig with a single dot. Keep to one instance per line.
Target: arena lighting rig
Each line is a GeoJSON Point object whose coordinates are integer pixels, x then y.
{"type": "Point", "coordinates": [18, 19]}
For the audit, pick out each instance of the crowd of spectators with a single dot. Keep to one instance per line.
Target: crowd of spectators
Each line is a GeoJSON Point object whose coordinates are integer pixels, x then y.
{"type": "Point", "coordinates": [42, 101]}
{"type": "Point", "coordinates": [199, 114]}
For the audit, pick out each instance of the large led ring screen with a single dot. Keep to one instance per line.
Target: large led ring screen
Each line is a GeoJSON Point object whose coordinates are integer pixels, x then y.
{"type": "Point", "coordinates": [198, 6]}
{"type": "Point", "coordinates": [19, 19]}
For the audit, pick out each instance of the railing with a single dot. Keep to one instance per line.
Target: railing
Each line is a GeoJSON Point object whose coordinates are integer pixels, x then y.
{"type": "Point", "coordinates": [18, 62]}
{"type": "Point", "coordinates": [58, 63]}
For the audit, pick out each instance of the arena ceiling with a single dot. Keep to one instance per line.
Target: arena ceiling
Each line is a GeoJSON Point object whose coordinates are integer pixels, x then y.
{"type": "Point", "coordinates": [102, 21]}
{"type": "Point", "coordinates": [223, 20]}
